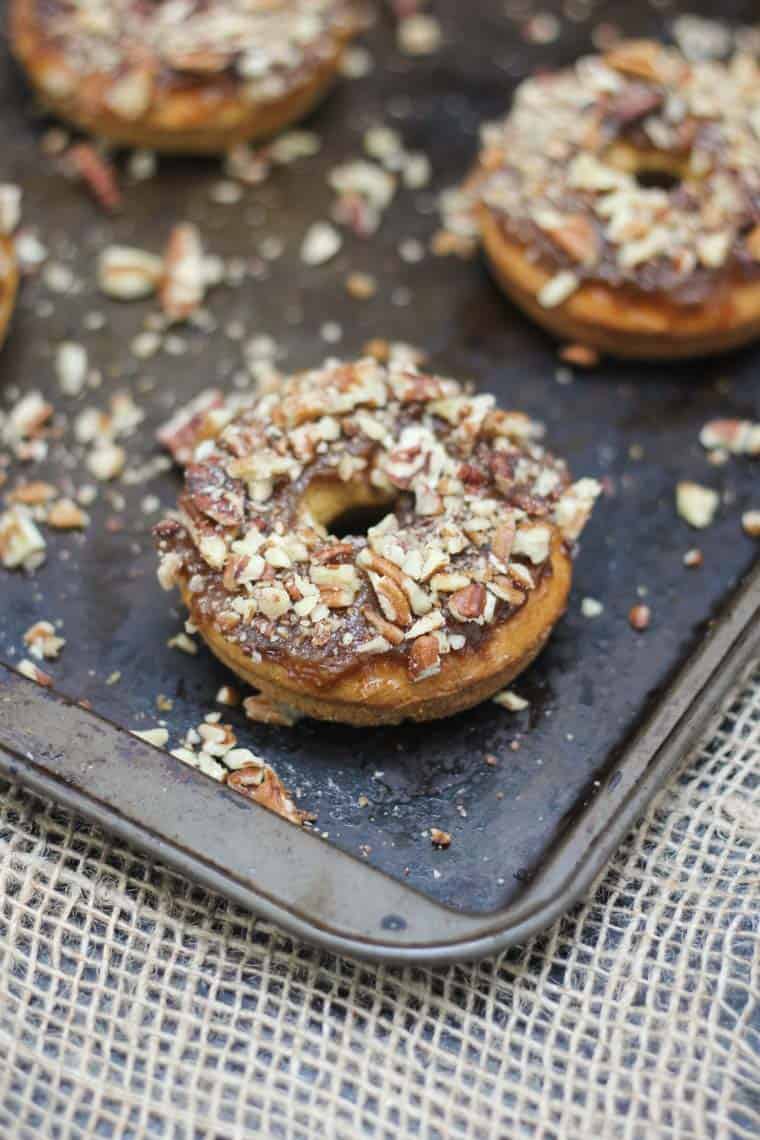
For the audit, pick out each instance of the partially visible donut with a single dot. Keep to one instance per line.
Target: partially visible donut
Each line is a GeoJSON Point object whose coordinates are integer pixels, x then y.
{"type": "Point", "coordinates": [8, 283]}
{"type": "Point", "coordinates": [579, 237]}
{"type": "Point", "coordinates": [197, 76]}
{"type": "Point", "coordinates": [446, 599]}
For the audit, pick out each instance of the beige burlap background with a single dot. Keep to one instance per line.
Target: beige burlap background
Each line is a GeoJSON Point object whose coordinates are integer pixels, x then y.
{"type": "Point", "coordinates": [134, 1004]}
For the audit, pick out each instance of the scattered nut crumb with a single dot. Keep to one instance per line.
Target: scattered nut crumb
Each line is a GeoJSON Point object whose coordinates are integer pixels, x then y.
{"type": "Point", "coordinates": [696, 504]}
{"type": "Point", "coordinates": [228, 696]}
{"type": "Point", "coordinates": [128, 274]}
{"type": "Point", "coordinates": [581, 355]}
{"type": "Point", "coordinates": [693, 558]}
{"type": "Point", "coordinates": [21, 544]}
{"type": "Point", "coordinates": [439, 838]}
{"type": "Point", "coordinates": [419, 34]}
{"type": "Point", "coordinates": [361, 286]}
{"type": "Point", "coordinates": [321, 243]}
{"type": "Point", "coordinates": [71, 367]}
{"type": "Point", "coordinates": [510, 701]}
{"type": "Point", "coordinates": [10, 207]}
{"type": "Point", "coordinates": [739, 437]}
{"type": "Point", "coordinates": [97, 173]}
{"type": "Point", "coordinates": [184, 643]}
{"type": "Point", "coordinates": [158, 737]}
{"type": "Point", "coordinates": [28, 669]}
{"type": "Point", "coordinates": [751, 523]}
{"type": "Point", "coordinates": [640, 617]}
{"type": "Point", "coordinates": [42, 640]}
{"type": "Point", "coordinates": [106, 460]}
{"type": "Point", "coordinates": [66, 515]}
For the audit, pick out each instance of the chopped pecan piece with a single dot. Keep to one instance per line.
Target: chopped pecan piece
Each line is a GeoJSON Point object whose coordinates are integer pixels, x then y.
{"type": "Point", "coordinates": [187, 427]}
{"type": "Point", "coordinates": [215, 494]}
{"type": "Point", "coordinates": [67, 515]}
{"type": "Point", "coordinates": [43, 641]}
{"type": "Point", "coordinates": [424, 657]}
{"type": "Point", "coordinates": [28, 669]}
{"type": "Point", "coordinates": [262, 785]}
{"type": "Point", "coordinates": [581, 355]}
{"type": "Point", "coordinates": [640, 617]}
{"type": "Point", "coordinates": [577, 238]}
{"type": "Point", "coordinates": [386, 629]}
{"type": "Point", "coordinates": [184, 283]}
{"type": "Point", "coordinates": [505, 589]}
{"type": "Point", "coordinates": [468, 604]}
{"type": "Point", "coordinates": [32, 494]}
{"type": "Point", "coordinates": [391, 599]}
{"type": "Point", "coordinates": [336, 552]}
{"type": "Point", "coordinates": [643, 59]}
{"type": "Point", "coordinates": [97, 173]}
{"type": "Point", "coordinates": [503, 539]}
{"type": "Point", "coordinates": [635, 102]}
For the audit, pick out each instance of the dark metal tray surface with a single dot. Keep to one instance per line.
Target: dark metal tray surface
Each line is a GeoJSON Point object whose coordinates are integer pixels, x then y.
{"type": "Point", "coordinates": [611, 710]}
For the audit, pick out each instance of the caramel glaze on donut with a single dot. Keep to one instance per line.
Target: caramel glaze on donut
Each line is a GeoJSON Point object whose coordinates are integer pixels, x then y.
{"type": "Point", "coordinates": [577, 236]}
{"type": "Point", "coordinates": [443, 602]}
{"type": "Point", "coordinates": [8, 283]}
{"type": "Point", "coordinates": [194, 75]}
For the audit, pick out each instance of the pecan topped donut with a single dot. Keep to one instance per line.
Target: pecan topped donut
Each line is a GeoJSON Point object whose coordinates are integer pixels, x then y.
{"type": "Point", "coordinates": [449, 595]}
{"type": "Point", "coordinates": [181, 75]}
{"type": "Point", "coordinates": [619, 201]}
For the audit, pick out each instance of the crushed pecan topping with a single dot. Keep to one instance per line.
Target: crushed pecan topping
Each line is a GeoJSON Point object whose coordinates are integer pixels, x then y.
{"type": "Point", "coordinates": [560, 173]}
{"type": "Point", "coordinates": [473, 503]}
{"type": "Point", "coordinates": [126, 54]}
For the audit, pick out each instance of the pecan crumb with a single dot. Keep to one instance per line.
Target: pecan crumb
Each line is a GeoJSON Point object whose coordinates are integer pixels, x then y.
{"type": "Point", "coordinates": [28, 669]}
{"type": "Point", "coordinates": [640, 617]}
{"type": "Point", "coordinates": [97, 173]}
{"type": "Point", "coordinates": [439, 838]}
{"type": "Point", "coordinates": [261, 784]}
{"type": "Point", "coordinates": [581, 355]}
{"type": "Point", "coordinates": [511, 701]}
{"type": "Point", "coordinates": [696, 504]}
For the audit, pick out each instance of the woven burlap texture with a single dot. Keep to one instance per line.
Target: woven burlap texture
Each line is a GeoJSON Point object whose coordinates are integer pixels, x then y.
{"type": "Point", "coordinates": [135, 1004]}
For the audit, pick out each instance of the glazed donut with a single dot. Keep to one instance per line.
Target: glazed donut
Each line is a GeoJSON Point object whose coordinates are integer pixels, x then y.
{"type": "Point", "coordinates": [8, 283]}
{"type": "Point", "coordinates": [619, 202]}
{"type": "Point", "coordinates": [450, 595]}
{"type": "Point", "coordinates": [196, 76]}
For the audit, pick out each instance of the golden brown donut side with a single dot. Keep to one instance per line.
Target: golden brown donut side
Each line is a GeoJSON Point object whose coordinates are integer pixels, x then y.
{"type": "Point", "coordinates": [8, 284]}
{"type": "Point", "coordinates": [196, 118]}
{"type": "Point", "coordinates": [380, 692]}
{"type": "Point", "coordinates": [622, 321]}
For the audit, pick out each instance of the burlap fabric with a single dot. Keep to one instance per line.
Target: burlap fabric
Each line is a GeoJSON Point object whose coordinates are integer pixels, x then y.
{"type": "Point", "coordinates": [135, 1004]}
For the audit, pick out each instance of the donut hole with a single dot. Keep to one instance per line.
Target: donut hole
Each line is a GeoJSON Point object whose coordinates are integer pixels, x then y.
{"type": "Point", "coordinates": [345, 508]}
{"type": "Point", "coordinates": [657, 180]}
{"type": "Point", "coordinates": [356, 521]}
{"type": "Point", "coordinates": [652, 169]}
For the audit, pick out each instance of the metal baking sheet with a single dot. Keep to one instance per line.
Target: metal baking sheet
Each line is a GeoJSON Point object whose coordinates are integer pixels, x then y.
{"type": "Point", "coordinates": [611, 710]}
